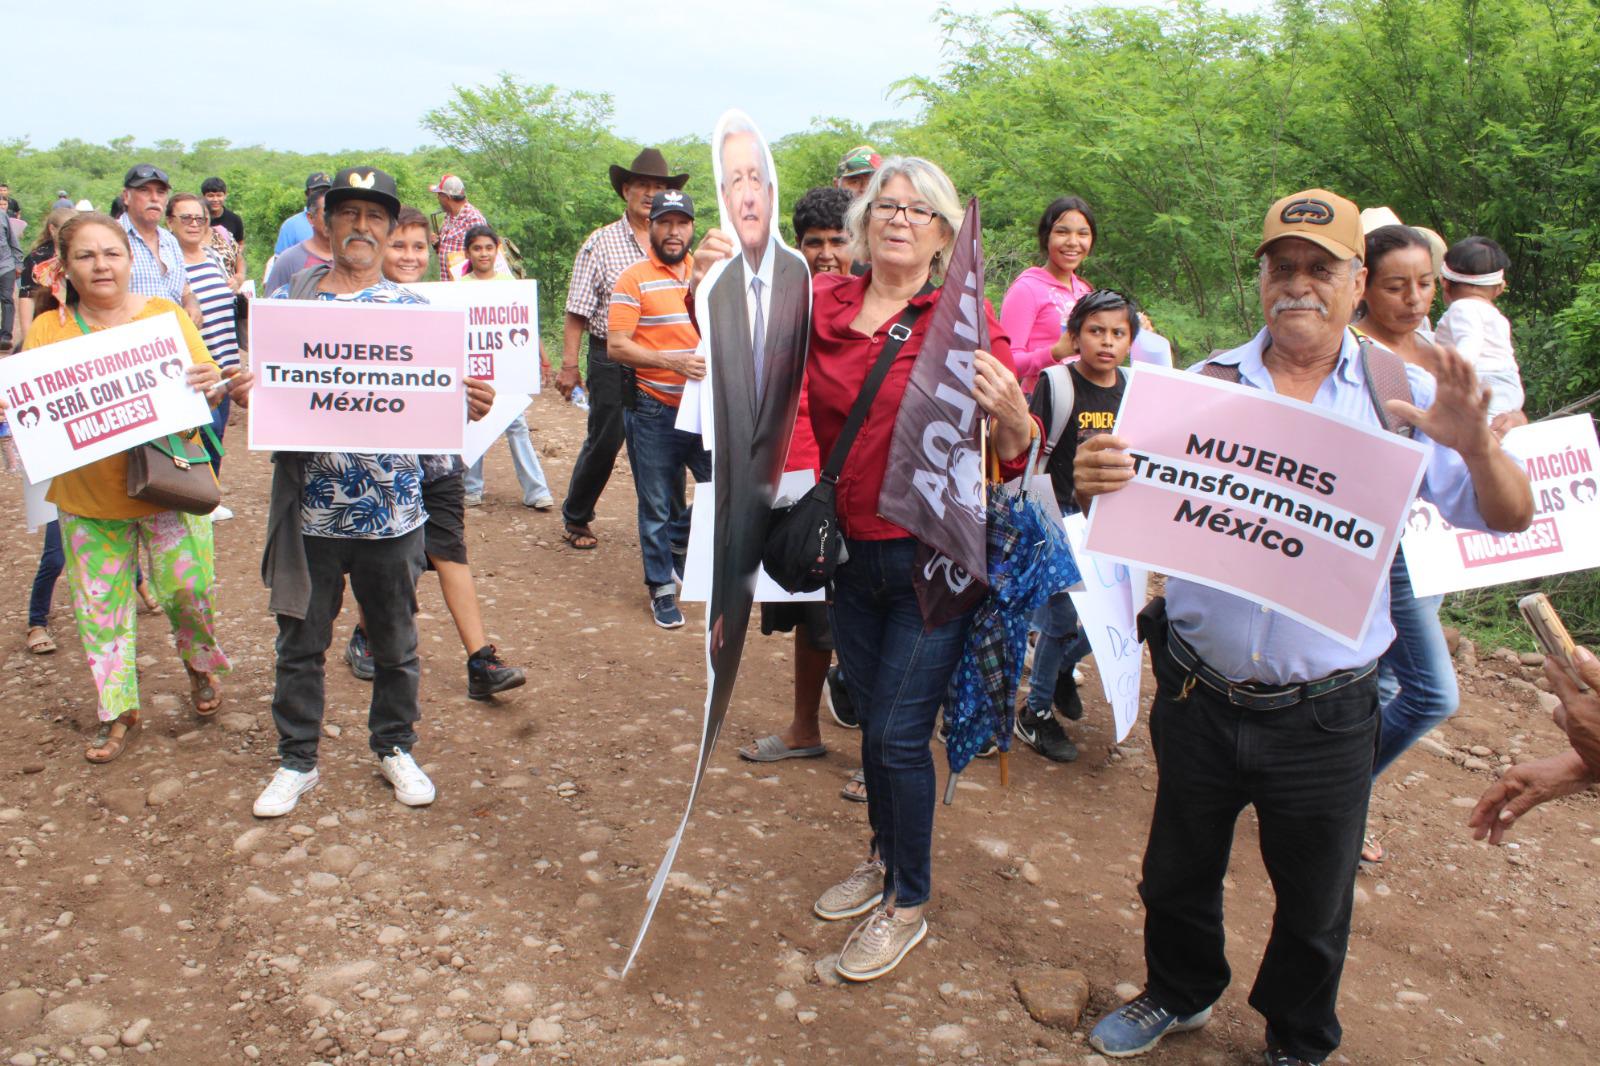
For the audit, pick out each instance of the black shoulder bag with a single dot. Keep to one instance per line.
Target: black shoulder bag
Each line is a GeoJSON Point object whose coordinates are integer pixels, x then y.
{"type": "Point", "coordinates": [803, 539]}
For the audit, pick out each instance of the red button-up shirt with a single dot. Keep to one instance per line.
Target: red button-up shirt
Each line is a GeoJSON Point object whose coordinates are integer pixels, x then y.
{"type": "Point", "coordinates": [803, 452]}
{"type": "Point", "coordinates": [836, 369]}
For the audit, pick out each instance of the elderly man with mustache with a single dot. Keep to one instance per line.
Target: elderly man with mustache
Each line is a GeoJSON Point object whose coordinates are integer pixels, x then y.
{"type": "Point", "coordinates": [1255, 708]}
{"type": "Point", "coordinates": [339, 513]}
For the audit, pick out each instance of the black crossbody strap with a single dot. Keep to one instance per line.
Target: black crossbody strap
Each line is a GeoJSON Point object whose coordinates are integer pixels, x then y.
{"type": "Point", "coordinates": [899, 333]}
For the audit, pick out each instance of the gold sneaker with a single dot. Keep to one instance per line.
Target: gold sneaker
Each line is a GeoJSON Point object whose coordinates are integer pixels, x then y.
{"type": "Point", "coordinates": [856, 894]}
{"type": "Point", "coordinates": [878, 945]}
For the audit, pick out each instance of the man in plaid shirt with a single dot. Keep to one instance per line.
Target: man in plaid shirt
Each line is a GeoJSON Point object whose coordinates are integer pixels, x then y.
{"type": "Point", "coordinates": [157, 267]}
{"type": "Point", "coordinates": [459, 217]}
{"type": "Point", "coordinates": [609, 251]}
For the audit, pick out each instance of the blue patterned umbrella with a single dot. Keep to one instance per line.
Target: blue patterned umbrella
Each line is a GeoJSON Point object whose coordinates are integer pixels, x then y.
{"type": "Point", "coordinates": [1029, 561]}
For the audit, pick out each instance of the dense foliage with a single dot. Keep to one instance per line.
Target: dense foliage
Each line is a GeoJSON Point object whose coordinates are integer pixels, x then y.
{"type": "Point", "coordinates": [1179, 124]}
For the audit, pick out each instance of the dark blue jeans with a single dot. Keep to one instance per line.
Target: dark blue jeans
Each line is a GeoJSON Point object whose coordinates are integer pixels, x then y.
{"type": "Point", "coordinates": [1416, 677]}
{"type": "Point", "coordinates": [51, 560]}
{"type": "Point", "coordinates": [898, 674]}
{"type": "Point", "coordinates": [660, 453]}
{"type": "Point", "coordinates": [219, 424]}
{"type": "Point", "coordinates": [1307, 770]}
{"type": "Point", "coordinates": [1062, 644]}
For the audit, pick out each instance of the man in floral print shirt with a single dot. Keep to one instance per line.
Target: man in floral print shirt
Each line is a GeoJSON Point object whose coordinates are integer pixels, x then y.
{"type": "Point", "coordinates": [361, 515]}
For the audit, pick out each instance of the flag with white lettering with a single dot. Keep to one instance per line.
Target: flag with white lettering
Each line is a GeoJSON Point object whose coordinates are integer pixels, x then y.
{"type": "Point", "coordinates": [933, 486]}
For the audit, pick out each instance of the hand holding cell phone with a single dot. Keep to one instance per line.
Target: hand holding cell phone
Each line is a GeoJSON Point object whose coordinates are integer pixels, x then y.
{"type": "Point", "coordinates": [1551, 634]}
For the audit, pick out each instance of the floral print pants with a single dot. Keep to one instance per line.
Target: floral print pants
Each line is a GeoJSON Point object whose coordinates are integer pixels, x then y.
{"type": "Point", "coordinates": [102, 554]}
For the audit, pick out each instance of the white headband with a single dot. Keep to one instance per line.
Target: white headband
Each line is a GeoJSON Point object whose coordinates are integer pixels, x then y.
{"type": "Point", "coordinates": [1472, 279]}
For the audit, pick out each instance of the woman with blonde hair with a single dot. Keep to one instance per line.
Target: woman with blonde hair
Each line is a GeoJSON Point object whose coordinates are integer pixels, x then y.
{"type": "Point", "coordinates": [898, 669]}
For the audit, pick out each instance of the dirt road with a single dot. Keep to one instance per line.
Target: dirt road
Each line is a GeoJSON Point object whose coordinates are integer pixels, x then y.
{"type": "Point", "coordinates": [145, 915]}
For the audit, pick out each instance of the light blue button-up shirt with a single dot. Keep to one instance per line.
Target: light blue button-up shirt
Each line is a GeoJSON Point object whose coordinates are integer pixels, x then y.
{"type": "Point", "coordinates": [1247, 641]}
{"type": "Point", "coordinates": [153, 276]}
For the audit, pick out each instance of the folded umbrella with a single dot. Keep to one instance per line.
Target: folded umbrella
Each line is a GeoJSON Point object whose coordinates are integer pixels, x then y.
{"type": "Point", "coordinates": [1028, 561]}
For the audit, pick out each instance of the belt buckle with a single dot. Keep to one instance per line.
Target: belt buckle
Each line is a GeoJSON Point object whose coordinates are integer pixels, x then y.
{"type": "Point", "coordinates": [1268, 701]}
{"type": "Point", "coordinates": [1239, 695]}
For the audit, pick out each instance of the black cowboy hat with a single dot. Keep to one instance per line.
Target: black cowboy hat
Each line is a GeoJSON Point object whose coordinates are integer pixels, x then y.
{"type": "Point", "coordinates": [649, 163]}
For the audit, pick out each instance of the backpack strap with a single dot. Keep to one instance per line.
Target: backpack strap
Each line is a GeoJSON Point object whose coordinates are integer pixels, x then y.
{"type": "Point", "coordinates": [1063, 396]}
{"type": "Point", "coordinates": [1385, 375]}
{"type": "Point", "coordinates": [303, 286]}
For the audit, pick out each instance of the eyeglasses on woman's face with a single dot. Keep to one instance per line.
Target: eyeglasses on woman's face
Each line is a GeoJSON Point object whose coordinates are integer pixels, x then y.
{"type": "Point", "coordinates": [916, 214]}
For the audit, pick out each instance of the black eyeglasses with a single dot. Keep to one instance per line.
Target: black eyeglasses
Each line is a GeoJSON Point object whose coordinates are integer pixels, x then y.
{"type": "Point", "coordinates": [189, 220]}
{"type": "Point", "coordinates": [916, 214]}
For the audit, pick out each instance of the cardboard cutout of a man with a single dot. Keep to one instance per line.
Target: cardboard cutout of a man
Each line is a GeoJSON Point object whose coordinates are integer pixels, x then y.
{"type": "Point", "coordinates": [759, 326]}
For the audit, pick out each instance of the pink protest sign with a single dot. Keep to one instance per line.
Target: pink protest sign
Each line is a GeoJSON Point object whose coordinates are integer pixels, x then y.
{"type": "Point", "coordinates": [1259, 495]}
{"type": "Point", "coordinates": [79, 400]}
{"type": "Point", "coordinates": [357, 377]}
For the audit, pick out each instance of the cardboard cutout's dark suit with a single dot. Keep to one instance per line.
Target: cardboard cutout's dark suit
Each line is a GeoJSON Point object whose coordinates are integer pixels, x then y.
{"type": "Point", "coordinates": [750, 441]}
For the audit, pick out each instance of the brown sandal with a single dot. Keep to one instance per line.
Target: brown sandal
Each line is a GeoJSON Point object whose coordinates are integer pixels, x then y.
{"type": "Point", "coordinates": [204, 691]}
{"type": "Point", "coordinates": [40, 642]}
{"type": "Point", "coordinates": [580, 536]}
{"type": "Point", "coordinates": [147, 597]}
{"type": "Point", "coordinates": [112, 743]}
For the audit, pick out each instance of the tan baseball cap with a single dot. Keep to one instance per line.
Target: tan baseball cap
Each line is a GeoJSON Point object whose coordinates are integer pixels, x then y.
{"type": "Point", "coordinates": [1324, 218]}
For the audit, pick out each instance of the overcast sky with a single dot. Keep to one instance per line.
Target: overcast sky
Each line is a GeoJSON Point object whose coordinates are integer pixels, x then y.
{"type": "Point", "coordinates": [359, 74]}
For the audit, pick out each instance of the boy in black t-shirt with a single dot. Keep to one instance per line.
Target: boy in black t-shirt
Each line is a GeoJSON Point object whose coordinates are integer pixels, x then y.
{"type": "Point", "coordinates": [1102, 326]}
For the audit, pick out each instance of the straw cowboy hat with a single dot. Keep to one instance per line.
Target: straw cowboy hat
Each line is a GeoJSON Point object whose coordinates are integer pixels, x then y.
{"type": "Point", "coordinates": [649, 163]}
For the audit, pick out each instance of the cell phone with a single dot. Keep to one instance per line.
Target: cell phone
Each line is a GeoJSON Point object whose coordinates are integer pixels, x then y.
{"type": "Point", "coordinates": [1551, 634]}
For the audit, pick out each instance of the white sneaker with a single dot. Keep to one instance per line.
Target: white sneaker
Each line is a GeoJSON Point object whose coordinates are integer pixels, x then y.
{"type": "Point", "coordinates": [411, 785]}
{"type": "Point", "coordinates": [221, 514]}
{"type": "Point", "coordinates": [1077, 676]}
{"type": "Point", "coordinates": [283, 792]}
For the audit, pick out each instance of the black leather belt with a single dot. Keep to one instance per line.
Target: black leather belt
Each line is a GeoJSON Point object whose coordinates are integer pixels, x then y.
{"type": "Point", "coordinates": [1254, 696]}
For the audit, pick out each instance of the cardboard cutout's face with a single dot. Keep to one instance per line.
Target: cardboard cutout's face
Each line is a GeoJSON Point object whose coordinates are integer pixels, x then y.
{"type": "Point", "coordinates": [747, 194]}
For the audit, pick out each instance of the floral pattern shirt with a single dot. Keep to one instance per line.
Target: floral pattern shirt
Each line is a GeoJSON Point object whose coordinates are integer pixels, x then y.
{"type": "Point", "coordinates": [360, 495]}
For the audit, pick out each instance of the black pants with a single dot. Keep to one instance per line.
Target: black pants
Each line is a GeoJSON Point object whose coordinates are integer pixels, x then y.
{"type": "Point", "coordinates": [1307, 770]}
{"type": "Point", "coordinates": [8, 300]}
{"type": "Point", "coordinates": [598, 455]}
{"type": "Point", "coordinates": [383, 576]}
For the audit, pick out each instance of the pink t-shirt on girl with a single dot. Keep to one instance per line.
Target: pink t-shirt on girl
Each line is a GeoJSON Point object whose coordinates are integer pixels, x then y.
{"type": "Point", "coordinates": [1034, 313]}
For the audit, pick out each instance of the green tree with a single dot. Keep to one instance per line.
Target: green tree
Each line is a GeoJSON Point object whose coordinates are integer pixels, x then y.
{"type": "Point", "coordinates": [535, 159]}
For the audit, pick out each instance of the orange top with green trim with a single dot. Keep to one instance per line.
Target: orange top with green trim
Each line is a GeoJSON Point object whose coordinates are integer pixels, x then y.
{"type": "Point", "coordinates": [651, 302]}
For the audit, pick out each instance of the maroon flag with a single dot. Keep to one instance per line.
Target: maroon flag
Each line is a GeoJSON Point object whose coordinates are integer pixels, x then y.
{"type": "Point", "coordinates": [934, 483]}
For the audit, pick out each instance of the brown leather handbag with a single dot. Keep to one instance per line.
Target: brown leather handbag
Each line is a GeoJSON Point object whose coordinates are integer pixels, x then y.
{"type": "Point", "coordinates": [176, 474]}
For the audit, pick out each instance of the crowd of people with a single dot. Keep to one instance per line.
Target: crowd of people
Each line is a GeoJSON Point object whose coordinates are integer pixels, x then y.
{"type": "Point", "coordinates": [1251, 708]}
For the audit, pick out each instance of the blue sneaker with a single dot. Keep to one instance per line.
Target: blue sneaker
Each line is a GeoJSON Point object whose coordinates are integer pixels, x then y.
{"type": "Point", "coordinates": [1138, 1025]}
{"type": "Point", "coordinates": [664, 606]}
